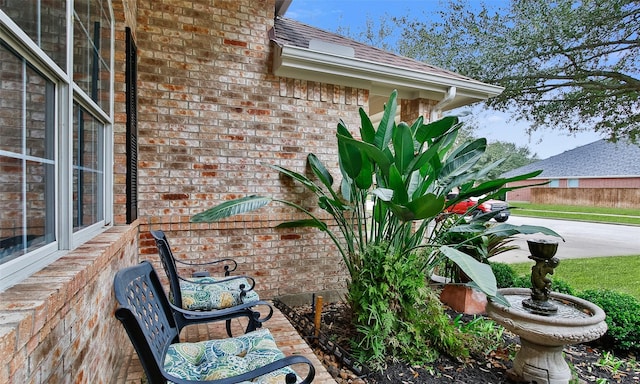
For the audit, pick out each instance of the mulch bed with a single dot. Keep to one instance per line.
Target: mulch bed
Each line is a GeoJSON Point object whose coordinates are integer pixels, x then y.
{"type": "Point", "coordinates": [332, 347]}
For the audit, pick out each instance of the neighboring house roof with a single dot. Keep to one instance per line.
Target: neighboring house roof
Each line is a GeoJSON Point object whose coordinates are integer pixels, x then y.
{"type": "Point", "coordinates": [600, 159]}
{"type": "Point", "coordinates": [308, 53]}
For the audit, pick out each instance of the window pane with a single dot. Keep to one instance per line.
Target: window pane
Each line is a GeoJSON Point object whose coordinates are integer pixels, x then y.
{"type": "Point", "coordinates": [88, 169]}
{"type": "Point", "coordinates": [27, 158]}
{"type": "Point", "coordinates": [92, 50]}
{"type": "Point", "coordinates": [44, 23]}
{"type": "Point", "coordinates": [12, 206]}
{"type": "Point", "coordinates": [11, 97]}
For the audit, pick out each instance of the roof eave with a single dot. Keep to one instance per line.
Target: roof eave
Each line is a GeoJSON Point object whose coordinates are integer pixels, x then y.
{"type": "Point", "coordinates": [306, 64]}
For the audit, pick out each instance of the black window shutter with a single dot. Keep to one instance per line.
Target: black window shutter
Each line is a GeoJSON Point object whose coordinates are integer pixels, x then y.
{"type": "Point", "coordinates": [132, 127]}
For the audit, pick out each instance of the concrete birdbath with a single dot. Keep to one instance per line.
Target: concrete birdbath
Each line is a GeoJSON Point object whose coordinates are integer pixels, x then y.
{"type": "Point", "coordinates": [545, 321]}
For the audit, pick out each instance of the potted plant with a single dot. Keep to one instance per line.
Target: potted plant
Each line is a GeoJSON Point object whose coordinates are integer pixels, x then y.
{"type": "Point", "coordinates": [406, 171]}
{"type": "Point", "coordinates": [479, 239]}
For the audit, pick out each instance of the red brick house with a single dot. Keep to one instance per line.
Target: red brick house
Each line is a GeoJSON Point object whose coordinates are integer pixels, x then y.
{"type": "Point", "coordinates": [123, 116]}
{"type": "Point", "coordinates": [600, 173]}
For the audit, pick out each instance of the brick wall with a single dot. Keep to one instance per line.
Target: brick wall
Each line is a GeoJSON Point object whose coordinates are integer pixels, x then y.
{"type": "Point", "coordinates": [210, 116]}
{"type": "Point", "coordinates": [58, 326]}
{"type": "Point", "coordinates": [614, 182]}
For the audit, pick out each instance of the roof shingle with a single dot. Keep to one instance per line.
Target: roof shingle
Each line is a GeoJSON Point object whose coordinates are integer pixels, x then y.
{"type": "Point", "coordinates": [294, 33]}
{"type": "Point", "coordinates": [598, 159]}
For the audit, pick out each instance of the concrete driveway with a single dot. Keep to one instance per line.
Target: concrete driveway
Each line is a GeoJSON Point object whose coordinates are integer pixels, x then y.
{"type": "Point", "coordinates": [581, 239]}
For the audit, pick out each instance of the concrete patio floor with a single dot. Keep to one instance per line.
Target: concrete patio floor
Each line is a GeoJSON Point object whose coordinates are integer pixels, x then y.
{"type": "Point", "coordinates": [286, 336]}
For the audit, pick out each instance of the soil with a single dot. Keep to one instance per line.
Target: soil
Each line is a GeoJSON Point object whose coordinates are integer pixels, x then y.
{"type": "Point", "coordinates": [587, 361]}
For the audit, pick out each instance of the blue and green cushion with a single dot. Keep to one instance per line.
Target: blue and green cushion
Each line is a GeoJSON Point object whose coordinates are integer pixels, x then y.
{"type": "Point", "coordinates": [198, 294]}
{"type": "Point", "coordinates": [219, 359]}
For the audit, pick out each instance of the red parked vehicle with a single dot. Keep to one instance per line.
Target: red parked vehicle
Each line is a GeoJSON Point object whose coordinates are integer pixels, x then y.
{"type": "Point", "coordinates": [465, 207]}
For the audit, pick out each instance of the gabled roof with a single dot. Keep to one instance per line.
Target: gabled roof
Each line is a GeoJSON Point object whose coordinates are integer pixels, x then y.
{"type": "Point", "coordinates": [598, 159]}
{"type": "Point", "coordinates": [308, 53]}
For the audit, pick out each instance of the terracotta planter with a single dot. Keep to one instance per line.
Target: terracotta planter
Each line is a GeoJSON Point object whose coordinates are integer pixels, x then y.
{"type": "Point", "coordinates": [463, 299]}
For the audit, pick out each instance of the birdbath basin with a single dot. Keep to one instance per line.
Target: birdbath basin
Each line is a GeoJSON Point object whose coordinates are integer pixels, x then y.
{"type": "Point", "coordinates": [543, 337]}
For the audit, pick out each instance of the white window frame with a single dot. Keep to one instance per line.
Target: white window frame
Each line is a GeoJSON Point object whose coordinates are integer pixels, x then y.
{"type": "Point", "coordinates": [554, 183]}
{"type": "Point", "coordinates": [66, 93]}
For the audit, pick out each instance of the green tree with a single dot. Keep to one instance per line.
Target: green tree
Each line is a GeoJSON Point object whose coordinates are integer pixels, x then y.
{"type": "Point", "coordinates": [516, 156]}
{"type": "Point", "coordinates": [565, 64]}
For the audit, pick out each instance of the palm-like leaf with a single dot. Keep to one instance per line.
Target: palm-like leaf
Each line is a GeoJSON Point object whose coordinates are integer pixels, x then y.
{"type": "Point", "coordinates": [435, 129]}
{"type": "Point", "coordinates": [303, 223]}
{"type": "Point", "coordinates": [297, 176]}
{"type": "Point", "coordinates": [320, 170]}
{"type": "Point", "coordinates": [231, 208]}
{"type": "Point", "coordinates": [480, 273]}
{"type": "Point", "coordinates": [385, 129]}
{"type": "Point", "coordinates": [403, 147]}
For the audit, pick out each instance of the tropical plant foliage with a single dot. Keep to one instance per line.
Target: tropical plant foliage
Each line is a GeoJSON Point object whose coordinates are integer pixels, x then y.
{"type": "Point", "coordinates": [396, 313]}
{"type": "Point", "coordinates": [394, 180]}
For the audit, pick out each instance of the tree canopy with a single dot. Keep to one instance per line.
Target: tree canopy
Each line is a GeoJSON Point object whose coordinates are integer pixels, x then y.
{"type": "Point", "coordinates": [516, 156]}
{"type": "Point", "coordinates": [565, 64]}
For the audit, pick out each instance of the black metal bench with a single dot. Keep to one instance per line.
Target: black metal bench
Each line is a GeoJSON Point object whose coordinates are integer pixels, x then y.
{"type": "Point", "coordinates": [214, 298]}
{"type": "Point", "coordinates": [147, 316]}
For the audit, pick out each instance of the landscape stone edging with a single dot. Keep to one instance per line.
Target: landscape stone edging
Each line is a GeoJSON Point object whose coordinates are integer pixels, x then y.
{"type": "Point", "coordinates": [307, 330]}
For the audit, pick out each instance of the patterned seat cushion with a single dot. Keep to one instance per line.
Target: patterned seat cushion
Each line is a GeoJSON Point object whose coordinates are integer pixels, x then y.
{"type": "Point", "coordinates": [219, 359]}
{"type": "Point", "coordinates": [197, 296]}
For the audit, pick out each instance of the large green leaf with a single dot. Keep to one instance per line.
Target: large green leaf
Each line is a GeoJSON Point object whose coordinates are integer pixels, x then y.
{"type": "Point", "coordinates": [383, 194]}
{"type": "Point", "coordinates": [505, 230]}
{"type": "Point", "coordinates": [396, 183]}
{"type": "Point", "coordinates": [419, 161]}
{"type": "Point", "coordinates": [345, 188]}
{"type": "Point", "coordinates": [416, 185]}
{"type": "Point", "coordinates": [331, 205]}
{"type": "Point", "coordinates": [463, 158]}
{"type": "Point", "coordinates": [296, 176]}
{"type": "Point", "coordinates": [320, 170]}
{"type": "Point", "coordinates": [365, 177]}
{"type": "Point", "coordinates": [367, 132]}
{"type": "Point", "coordinates": [231, 208]}
{"type": "Point", "coordinates": [401, 212]}
{"type": "Point", "coordinates": [403, 147]}
{"type": "Point", "coordinates": [378, 156]}
{"type": "Point", "coordinates": [303, 223]}
{"type": "Point", "coordinates": [426, 206]}
{"type": "Point", "coordinates": [496, 187]}
{"type": "Point", "coordinates": [480, 273]}
{"type": "Point", "coordinates": [435, 129]}
{"type": "Point", "coordinates": [385, 128]}
{"type": "Point", "coordinates": [349, 157]}
{"type": "Point", "coordinates": [417, 123]}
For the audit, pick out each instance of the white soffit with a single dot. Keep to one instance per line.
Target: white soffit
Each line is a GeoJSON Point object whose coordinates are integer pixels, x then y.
{"type": "Point", "coordinates": [334, 64]}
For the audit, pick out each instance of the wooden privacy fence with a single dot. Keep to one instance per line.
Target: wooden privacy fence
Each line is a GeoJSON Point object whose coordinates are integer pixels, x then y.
{"type": "Point", "coordinates": [600, 197]}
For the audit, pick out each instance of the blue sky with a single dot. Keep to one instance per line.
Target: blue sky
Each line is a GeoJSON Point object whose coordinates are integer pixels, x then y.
{"type": "Point", "coordinates": [353, 14]}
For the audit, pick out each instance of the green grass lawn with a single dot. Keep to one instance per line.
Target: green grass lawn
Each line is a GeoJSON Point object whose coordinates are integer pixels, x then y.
{"type": "Point", "coordinates": [573, 212]}
{"type": "Point", "coordinates": [619, 273]}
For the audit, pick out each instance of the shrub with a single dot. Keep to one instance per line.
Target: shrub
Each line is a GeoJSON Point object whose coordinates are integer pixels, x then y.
{"type": "Point", "coordinates": [504, 273]}
{"type": "Point", "coordinates": [484, 335]}
{"type": "Point", "coordinates": [557, 285]}
{"type": "Point", "coordinates": [396, 313]}
{"type": "Point", "coordinates": [623, 318]}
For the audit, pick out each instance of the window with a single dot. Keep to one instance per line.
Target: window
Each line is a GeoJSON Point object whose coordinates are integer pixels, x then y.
{"type": "Point", "coordinates": [573, 183]}
{"type": "Point", "coordinates": [88, 169]}
{"type": "Point", "coordinates": [55, 128]}
{"type": "Point", "coordinates": [26, 157]}
{"type": "Point", "coordinates": [554, 183]}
